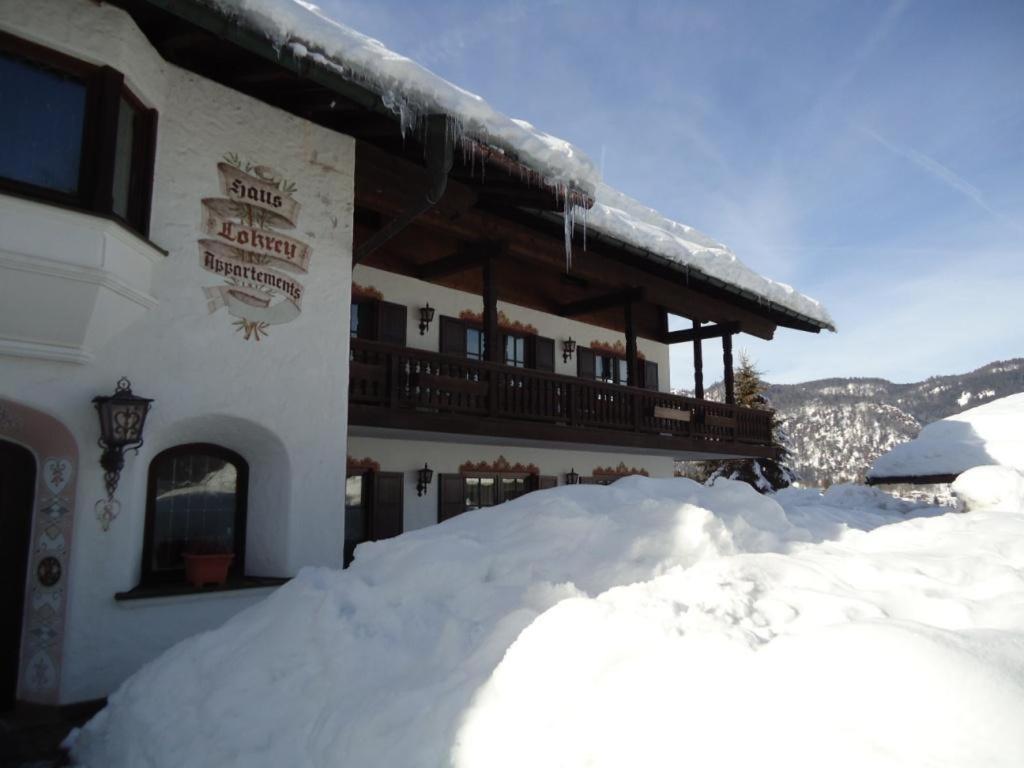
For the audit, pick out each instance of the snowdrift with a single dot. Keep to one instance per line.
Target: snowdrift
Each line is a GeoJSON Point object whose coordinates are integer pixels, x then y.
{"type": "Point", "coordinates": [652, 622]}
{"type": "Point", "coordinates": [988, 434]}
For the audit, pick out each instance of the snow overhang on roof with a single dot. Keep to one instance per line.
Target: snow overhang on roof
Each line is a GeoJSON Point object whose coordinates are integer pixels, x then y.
{"type": "Point", "coordinates": [298, 30]}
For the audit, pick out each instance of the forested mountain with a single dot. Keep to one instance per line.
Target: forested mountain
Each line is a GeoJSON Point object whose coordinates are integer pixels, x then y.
{"type": "Point", "coordinates": [837, 427]}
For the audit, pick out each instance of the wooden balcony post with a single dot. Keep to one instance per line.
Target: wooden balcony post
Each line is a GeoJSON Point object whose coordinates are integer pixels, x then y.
{"type": "Point", "coordinates": [730, 388]}
{"type": "Point", "coordinates": [698, 363]}
{"type": "Point", "coordinates": [492, 337]}
{"type": "Point", "coordinates": [631, 353]}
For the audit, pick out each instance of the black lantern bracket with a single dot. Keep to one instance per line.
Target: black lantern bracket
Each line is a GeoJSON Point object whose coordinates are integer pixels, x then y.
{"type": "Point", "coordinates": [122, 418]}
{"type": "Point", "coordinates": [568, 348]}
{"type": "Point", "coordinates": [423, 478]}
{"type": "Point", "coordinates": [426, 317]}
{"type": "Point", "coordinates": [572, 477]}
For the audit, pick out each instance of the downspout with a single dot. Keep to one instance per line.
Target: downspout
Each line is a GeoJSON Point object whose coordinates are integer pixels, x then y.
{"type": "Point", "coordinates": [440, 156]}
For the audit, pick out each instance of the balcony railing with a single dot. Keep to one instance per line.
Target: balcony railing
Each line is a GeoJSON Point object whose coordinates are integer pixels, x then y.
{"type": "Point", "coordinates": [420, 382]}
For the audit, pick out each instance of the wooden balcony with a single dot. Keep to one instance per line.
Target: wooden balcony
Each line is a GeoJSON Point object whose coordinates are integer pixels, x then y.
{"type": "Point", "coordinates": [399, 388]}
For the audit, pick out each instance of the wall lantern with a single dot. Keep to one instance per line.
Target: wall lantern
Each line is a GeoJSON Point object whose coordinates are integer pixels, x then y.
{"type": "Point", "coordinates": [572, 477]}
{"type": "Point", "coordinates": [568, 347]}
{"type": "Point", "coordinates": [423, 478]}
{"type": "Point", "coordinates": [426, 317]}
{"type": "Point", "coordinates": [122, 417]}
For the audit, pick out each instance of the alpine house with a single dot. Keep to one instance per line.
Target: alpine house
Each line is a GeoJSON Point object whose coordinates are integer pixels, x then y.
{"type": "Point", "coordinates": [269, 290]}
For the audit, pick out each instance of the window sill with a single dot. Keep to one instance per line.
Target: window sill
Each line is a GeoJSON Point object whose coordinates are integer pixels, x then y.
{"type": "Point", "coordinates": [162, 591]}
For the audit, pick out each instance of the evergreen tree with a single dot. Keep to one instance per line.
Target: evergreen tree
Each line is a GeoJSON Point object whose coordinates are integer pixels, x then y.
{"type": "Point", "coordinates": [765, 475]}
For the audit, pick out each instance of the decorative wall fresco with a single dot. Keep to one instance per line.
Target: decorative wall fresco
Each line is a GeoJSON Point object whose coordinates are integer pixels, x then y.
{"type": "Point", "coordinates": [620, 471]}
{"type": "Point", "coordinates": [618, 349]}
{"type": "Point", "coordinates": [366, 292]}
{"type": "Point", "coordinates": [500, 464]}
{"type": "Point", "coordinates": [505, 322]}
{"type": "Point", "coordinates": [43, 625]}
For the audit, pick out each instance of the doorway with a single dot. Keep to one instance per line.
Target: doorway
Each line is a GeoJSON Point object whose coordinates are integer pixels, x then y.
{"type": "Point", "coordinates": [17, 487]}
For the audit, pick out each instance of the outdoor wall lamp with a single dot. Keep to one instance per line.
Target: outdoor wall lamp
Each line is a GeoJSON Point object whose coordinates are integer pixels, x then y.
{"type": "Point", "coordinates": [568, 347]}
{"type": "Point", "coordinates": [572, 477]}
{"type": "Point", "coordinates": [423, 478]}
{"type": "Point", "coordinates": [122, 417]}
{"type": "Point", "coordinates": [426, 317]}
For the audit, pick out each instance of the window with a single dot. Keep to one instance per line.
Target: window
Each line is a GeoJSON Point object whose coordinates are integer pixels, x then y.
{"type": "Point", "coordinates": [196, 498]}
{"type": "Point", "coordinates": [357, 527]}
{"type": "Point", "coordinates": [73, 134]}
{"type": "Point", "coordinates": [515, 350]}
{"type": "Point", "coordinates": [480, 492]}
{"type": "Point", "coordinates": [488, 490]}
{"type": "Point", "coordinates": [377, 320]}
{"type": "Point", "coordinates": [474, 343]}
{"type": "Point", "coordinates": [465, 338]}
{"type": "Point", "coordinates": [374, 508]}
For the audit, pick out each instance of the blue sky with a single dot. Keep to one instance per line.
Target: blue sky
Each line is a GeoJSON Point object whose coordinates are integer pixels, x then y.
{"type": "Point", "coordinates": [869, 153]}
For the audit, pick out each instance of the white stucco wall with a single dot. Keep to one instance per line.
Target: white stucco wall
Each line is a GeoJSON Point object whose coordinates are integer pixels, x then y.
{"type": "Point", "coordinates": [415, 293]}
{"type": "Point", "coordinates": [279, 402]}
{"type": "Point", "coordinates": [408, 455]}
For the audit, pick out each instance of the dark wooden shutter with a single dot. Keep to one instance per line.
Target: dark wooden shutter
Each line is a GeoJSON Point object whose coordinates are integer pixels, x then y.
{"type": "Point", "coordinates": [368, 320]}
{"type": "Point", "coordinates": [391, 323]}
{"type": "Point", "coordinates": [585, 363]}
{"type": "Point", "coordinates": [386, 516]}
{"type": "Point", "coordinates": [544, 354]}
{"type": "Point", "coordinates": [453, 337]}
{"type": "Point", "coordinates": [547, 481]}
{"type": "Point", "coordinates": [451, 497]}
{"type": "Point", "coordinates": [650, 375]}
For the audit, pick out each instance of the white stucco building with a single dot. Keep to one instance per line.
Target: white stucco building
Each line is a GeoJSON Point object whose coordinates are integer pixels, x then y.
{"type": "Point", "coordinates": [246, 228]}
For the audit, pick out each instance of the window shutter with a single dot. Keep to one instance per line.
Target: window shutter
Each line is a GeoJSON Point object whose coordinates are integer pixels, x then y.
{"type": "Point", "coordinates": [585, 363]}
{"type": "Point", "coordinates": [391, 323]}
{"type": "Point", "coordinates": [453, 337]}
{"type": "Point", "coordinates": [544, 354]}
{"type": "Point", "coordinates": [650, 375]}
{"type": "Point", "coordinates": [451, 497]}
{"type": "Point", "coordinates": [368, 319]}
{"type": "Point", "coordinates": [547, 481]}
{"type": "Point", "coordinates": [386, 518]}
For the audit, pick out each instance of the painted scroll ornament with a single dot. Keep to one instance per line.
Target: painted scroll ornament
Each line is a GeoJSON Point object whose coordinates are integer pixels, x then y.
{"type": "Point", "coordinates": [245, 247]}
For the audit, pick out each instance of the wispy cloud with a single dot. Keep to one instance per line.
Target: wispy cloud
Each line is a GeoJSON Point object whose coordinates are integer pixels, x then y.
{"type": "Point", "coordinates": [943, 174]}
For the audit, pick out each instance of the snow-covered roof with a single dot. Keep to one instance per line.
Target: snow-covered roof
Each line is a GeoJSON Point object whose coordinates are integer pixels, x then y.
{"type": "Point", "coordinates": [411, 91]}
{"type": "Point", "coordinates": [989, 434]}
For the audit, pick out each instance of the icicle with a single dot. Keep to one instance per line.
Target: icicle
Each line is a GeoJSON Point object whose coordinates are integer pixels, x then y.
{"type": "Point", "coordinates": [585, 212]}
{"type": "Point", "coordinates": [569, 217]}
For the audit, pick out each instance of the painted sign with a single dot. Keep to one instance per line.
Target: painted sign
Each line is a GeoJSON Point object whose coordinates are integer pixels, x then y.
{"type": "Point", "coordinates": [244, 245]}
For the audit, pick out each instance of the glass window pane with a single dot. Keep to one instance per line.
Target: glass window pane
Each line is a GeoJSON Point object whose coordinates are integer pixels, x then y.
{"type": "Point", "coordinates": [195, 505]}
{"type": "Point", "coordinates": [474, 344]}
{"type": "Point", "coordinates": [355, 513]}
{"type": "Point", "coordinates": [623, 372]}
{"type": "Point", "coordinates": [123, 157]}
{"type": "Point", "coordinates": [41, 128]}
{"type": "Point", "coordinates": [353, 321]}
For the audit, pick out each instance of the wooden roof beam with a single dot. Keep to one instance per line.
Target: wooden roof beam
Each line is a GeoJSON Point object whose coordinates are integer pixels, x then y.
{"type": "Point", "coordinates": [597, 303]}
{"type": "Point", "coordinates": [468, 257]}
{"type": "Point", "coordinates": [692, 334]}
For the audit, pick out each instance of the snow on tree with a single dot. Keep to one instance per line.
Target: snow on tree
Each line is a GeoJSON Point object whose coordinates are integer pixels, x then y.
{"type": "Point", "coordinates": [765, 475]}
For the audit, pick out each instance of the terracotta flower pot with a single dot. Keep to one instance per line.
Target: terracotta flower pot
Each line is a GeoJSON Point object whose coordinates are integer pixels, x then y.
{"type": "Point", "coordinates": [201, 570]}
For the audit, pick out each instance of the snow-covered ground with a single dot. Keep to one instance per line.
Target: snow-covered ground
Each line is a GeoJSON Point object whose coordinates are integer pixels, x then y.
{"type": "Point", "coordinates": [648, 623]}
{"type": "Point", "coordinates": [992, 433]}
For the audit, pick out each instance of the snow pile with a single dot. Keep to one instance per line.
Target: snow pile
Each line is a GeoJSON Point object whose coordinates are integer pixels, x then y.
{"type": "Point", "coordinates": [989, 434]}
{"type": "Point", "coordinates": [988, 487]}
{"type": "Point", "coordinates": [652, 622]}
{"type": "Point", "coordinates": [412, 92]}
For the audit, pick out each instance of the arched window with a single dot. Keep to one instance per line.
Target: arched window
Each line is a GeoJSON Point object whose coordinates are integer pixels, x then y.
{"type": "Point", "coordinates": [195, 502]}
